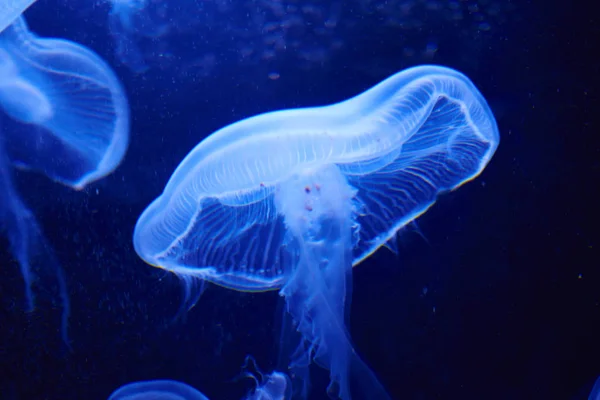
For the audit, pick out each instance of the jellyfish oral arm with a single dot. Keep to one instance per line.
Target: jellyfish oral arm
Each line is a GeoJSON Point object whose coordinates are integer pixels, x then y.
{"type": "Point", "coordinates": [18, 224]}
{"type": "Point", "coordinates": [318, 312]}
{"type": "Point", "coordinates": [318, 212]}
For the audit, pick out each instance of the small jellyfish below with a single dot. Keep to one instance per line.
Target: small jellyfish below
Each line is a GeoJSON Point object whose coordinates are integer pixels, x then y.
{"type": "Point", "coordinates": [291, 200]}
{"type": "Point", "coordinates": [274, 386]}
{"type": "Point", "coordinates": [157, 390]}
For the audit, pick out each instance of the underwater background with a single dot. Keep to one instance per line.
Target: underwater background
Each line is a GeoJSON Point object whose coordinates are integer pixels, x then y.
{"type": "Point", "coordinates": [492, 294]}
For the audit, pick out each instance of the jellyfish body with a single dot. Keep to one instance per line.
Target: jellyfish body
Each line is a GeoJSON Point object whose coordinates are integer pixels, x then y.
{"type": "Point", "coordinates": [291, 200]}
{"type": "Point", "coordinates": [11, 10]}
{"type": "Point", "coordinates": [157, 390]}
{"type": "Point", "coordinates": [70, 103]}
{"type": "Point", "coordinates": [64, 114]}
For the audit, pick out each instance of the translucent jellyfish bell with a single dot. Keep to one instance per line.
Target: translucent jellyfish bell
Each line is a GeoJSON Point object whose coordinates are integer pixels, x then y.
{"type": "Point", "coordinates": [11, 10]}
{"type": "Point", "coordinates": [70, 113]}
{"type": "Point", "coordinates": [292, 199]}
{"type": "Point", "coordinates": [422, 131]}
{"type": "Point", "coordinates": [157, 390]}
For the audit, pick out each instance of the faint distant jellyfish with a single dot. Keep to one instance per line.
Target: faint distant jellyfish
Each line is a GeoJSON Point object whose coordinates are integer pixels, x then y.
{"type": "Point", "coordinates": [11, 10]}
{"type": "Point", "coordinates": [157, 390]}
{"type": "Point", "coordinates": [258, 33]}
{"type": "Point", "coordinates": [68, 118]}
{"type": "Point", "coordinates": [121, 24]}
{"type": "Point", "coordinates": [291, 200]}
{"type": "Point", "coordinates": [129, 22]}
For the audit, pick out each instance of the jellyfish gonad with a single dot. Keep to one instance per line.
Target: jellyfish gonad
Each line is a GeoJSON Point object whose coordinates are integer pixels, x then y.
{"type": "Point", "coordinates": [63, 113]}
{"type": "Point", "coordinates": [291, 200]}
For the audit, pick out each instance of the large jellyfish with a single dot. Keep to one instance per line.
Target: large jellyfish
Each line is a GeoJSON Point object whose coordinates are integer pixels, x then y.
{"type": "Point", "coordinates": [11, 10]}
{"type": "Point", "coordinates": [291, 200]}
{"type": "Point", "coordinates": [64, 114]}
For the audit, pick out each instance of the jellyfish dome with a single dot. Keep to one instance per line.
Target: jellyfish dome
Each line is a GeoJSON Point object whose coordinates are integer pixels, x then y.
{"type": "Point", "coordinates": [292, 199]}
{"type": "Point", "coordinates": [10, 10]}
{"type": "Point", "coordinates": [69, 113]}
{"type": "Point", "coordinates": [422, 131]}
{"type": "Point", "coordinates": [157, 390]}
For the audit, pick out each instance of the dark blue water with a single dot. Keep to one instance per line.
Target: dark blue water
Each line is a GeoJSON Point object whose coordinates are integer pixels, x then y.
{"type": "Point", "coordinates": [493, 295]}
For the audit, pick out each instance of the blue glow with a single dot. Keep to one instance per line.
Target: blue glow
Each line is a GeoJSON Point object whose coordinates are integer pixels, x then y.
{"type": "Point", "coordinates": [157, 390]}
{"type": "Point", "coordinates": [292, 199]}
